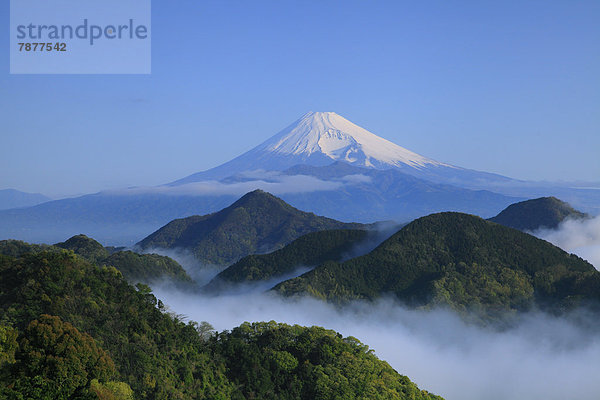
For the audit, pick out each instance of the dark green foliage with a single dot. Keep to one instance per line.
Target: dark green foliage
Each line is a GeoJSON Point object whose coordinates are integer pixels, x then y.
{"type": "Point", "coordinates": [256, 223]}
{"type": "Point", "coordinates": [86, 247]}
{"type": "Point", "coordinates": [545, 212]}
{"type": "Point", "coordinates": [8, 345]}
{"type": "Point", "coordinates": [156, 354]}
{"type": "Point", "coordinates": [134, 267]}
{"type": "Point", "coordinates": [461, 261]}
{"type": "Point", "coordinates": [57, 309]}
{"type": "Point", "coordinates": [147, 267]}
{"type": "Point", "coordinates": [114, 249]}
{"type": "Point", "coordinates": [17, 248]}
{"type": "Point", "coordinates": [308, 250]}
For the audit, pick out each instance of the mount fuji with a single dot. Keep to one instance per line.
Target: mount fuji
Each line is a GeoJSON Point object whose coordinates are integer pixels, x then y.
{"type": "Point", "coordinates": [322, 138]}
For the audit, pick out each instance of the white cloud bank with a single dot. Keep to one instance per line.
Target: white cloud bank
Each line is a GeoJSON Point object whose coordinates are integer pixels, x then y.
{"type": "Point", "coordinates": [272, 182]}
{"type": "Point", "coordinates": [581, 237]}
{"type": "Point", "coordinates": [543, 358]}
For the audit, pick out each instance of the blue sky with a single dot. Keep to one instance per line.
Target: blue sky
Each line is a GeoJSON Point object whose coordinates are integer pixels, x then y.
{"type": "Point", "coordinates": [508, 87]}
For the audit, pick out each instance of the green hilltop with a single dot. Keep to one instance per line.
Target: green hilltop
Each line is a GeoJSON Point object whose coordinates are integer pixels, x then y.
{"type": "Point", "coordinates": [256, 223]}
{"type": "Point", "coordinates": [530, 215]}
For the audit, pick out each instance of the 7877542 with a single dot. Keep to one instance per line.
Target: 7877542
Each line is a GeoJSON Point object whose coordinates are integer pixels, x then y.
{"type": "Point", "coordinates": [42, 46]}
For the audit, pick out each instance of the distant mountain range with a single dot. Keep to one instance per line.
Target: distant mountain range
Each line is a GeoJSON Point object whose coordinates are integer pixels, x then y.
{"type": "Point", "coordinates": [339, 191]}
{"type": "Point", "coordinates": [11, 198]}
{"type": "Point", "coordinates": [322, 163]}
{"type": "Point", "coordinates": [319, 139]}
{"type": "Point", "coordinates": [366, 195]}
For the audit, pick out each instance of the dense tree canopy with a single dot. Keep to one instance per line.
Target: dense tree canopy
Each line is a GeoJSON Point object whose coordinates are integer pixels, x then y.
{"type": "Point", "coordinates": [70, 329]}
{"type": "Point", "coordinates": [461, 261]}
{"type": "Point", "coordinates": [135, 267]}
{"type": "Point", "coordinates": [306, 251]}
{"type": "Point", "coordinates": [56, 361]}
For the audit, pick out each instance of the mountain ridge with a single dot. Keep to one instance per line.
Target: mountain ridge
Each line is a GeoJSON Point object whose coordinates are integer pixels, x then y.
{"type": "Point", "coordinates": [145, 268]}
{"type": "Point", "coordinates": [257, 222]}
{"type": "Point", "coordinates": [461, 261]}
{"type": "Point", "coordinates": [12, 198]}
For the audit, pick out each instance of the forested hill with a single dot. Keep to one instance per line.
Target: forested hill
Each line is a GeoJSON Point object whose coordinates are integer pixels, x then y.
{"type": "Point", "coordinates": [70, 329]}
{"type": "Point", "coordinates": [530, 215]}
{"type": "Point", "coordinates": [461, 261]}
{"type": "Point", "coordinates": [306, 251]}
{"type": "Point", "coordinates": [257, 223]}
{"type": "Point", "coordinates": [145, 268]}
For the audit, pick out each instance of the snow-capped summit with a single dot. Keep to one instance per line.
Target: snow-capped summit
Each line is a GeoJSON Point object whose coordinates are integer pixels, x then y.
{"type": "Point", "coordinates": [319, 139]}
{"type": "Point", "coordinates": [331, 135]}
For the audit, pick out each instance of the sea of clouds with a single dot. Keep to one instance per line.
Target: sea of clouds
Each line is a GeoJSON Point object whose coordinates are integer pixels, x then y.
{"type": "Point", "coordinates": [543, 357]}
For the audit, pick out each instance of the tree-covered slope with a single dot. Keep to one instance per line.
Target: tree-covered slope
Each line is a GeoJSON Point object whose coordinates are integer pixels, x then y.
{"type": "Point", "coordinates": [309, 250]}
{"type": "Point", "coordinates": [461, 261]}
{"type": "Point", "coordinates": [146, 268]}
{"type": "Point", "coordinates": [530, 215]}
{"type": "Point", "coordinates": [73, 330]}
{"type": "Point", "coordinates": [97, 301]}
{"type": "Point", "coordinates": [258, 222]}
{"type": "Point", "coordinates": [17, 248]}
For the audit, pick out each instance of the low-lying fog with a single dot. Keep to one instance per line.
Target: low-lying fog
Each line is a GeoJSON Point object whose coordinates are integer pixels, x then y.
{"type": "Point", "coordinates": [581, 237]}
{"type": "Point", "coordinates": [543, 358]}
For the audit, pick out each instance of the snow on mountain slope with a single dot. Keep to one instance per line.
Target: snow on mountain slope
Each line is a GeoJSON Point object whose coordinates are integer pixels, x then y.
{"type": "Point", "coordinates": [334, 136]}
{"type": "Point", "coordinates": [322, 138]}
{"type": "Point", "coordinates": [318, 139]}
